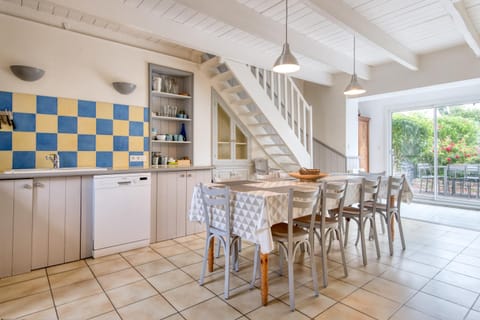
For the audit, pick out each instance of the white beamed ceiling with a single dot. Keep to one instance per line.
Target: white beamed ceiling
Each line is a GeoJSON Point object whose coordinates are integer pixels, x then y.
{"type": "Point", "coordinates": [252, 31]}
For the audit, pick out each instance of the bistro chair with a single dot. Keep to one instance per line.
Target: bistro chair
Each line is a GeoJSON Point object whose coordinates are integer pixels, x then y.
{"type": "Point", "coordinates": [455, 178]}
{"type": "Point", "coordinates": [216, 209]}
{"type": "Point", "coordinates": [332, 195]}
{"type": "Point", "coordinates": [425, 174]}
{"type": "Point", "coordinates": [361, 215]}
{"type": "Point", "coordinates": [472, 177]}
{"type": "Point", "coordinates": [291, 237]}
{"type": "Point", "coordinates": [391, 208]}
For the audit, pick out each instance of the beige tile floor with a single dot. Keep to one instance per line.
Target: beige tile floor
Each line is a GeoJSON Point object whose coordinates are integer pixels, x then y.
{"type": "Point", "coordinates": [437, 277]}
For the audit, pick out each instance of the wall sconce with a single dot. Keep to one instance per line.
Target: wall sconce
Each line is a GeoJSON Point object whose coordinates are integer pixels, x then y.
{"type": "Point", "coordinates": [124, 87]}
{"type": "Point", "coordinates": [27, 73]}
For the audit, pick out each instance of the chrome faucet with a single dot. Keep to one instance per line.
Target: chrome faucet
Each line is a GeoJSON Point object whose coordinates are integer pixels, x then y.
{"type": "Point", "coordinates": [55, 158]}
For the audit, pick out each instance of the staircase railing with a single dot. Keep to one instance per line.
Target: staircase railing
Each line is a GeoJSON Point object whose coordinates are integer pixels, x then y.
{"type": "Point", "coordinates": [289, 101]}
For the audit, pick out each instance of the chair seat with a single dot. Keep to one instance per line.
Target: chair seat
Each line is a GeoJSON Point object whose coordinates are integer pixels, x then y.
{"type": "Point", "coordinates": [280, 232]}
{"type": "Point", "coordinates": [354, 211]}
{"type": "Point", "coordinates": [380, 206]}
{"type": "Point", "coordinates": [305, 220]}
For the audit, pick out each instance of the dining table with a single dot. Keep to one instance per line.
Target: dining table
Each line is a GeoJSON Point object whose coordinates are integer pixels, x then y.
{"type": "Point", "coordinates": [255, 206]}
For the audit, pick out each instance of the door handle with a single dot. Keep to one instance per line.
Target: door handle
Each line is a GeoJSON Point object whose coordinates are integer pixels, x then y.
{"type": "Point", "coordinates": [38, 185]}
{"type": "Point", "coordinates": [124, 182]}
{"type": "Point", "coordinates": [27, 186]}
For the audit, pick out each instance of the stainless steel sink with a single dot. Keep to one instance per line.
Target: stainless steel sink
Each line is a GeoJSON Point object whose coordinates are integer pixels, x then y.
{"type": "Point", "coordinates": [54, 170]}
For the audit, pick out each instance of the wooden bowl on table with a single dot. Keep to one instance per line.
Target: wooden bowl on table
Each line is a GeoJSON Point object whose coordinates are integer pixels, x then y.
{"type": "Point", "coordinates": [307, 177]}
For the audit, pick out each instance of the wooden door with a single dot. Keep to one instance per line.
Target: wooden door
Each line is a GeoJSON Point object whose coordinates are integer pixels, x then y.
{"type": "Point", "coordinates": [363, 143]}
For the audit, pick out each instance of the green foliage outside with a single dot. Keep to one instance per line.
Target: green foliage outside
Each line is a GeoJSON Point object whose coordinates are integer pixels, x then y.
{"type": "Point", "coordinates": [458, 136]}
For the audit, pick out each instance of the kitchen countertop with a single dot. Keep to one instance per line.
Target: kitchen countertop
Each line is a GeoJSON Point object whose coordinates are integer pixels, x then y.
{"type": "Point", "coordinates": [90, 172]}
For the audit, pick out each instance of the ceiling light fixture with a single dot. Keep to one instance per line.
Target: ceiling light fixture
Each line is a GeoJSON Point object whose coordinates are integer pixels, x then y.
{"type": "Point", "coordinates": [287, 62]}
{"type": "Point", "coordinates": [354, 87]}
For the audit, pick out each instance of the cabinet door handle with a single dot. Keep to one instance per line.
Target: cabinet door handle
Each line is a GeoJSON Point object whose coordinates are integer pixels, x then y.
{"type": "Point", "coordinates": [38, 184]}
{"type": "Point", "coordinates": [124, 182]}
{"type": "Point", "coordinates": [182, 176]}
{"type": "Point", "coordinates": [27, 186]}
{"type": "Point", "coordinates": [189, 175]}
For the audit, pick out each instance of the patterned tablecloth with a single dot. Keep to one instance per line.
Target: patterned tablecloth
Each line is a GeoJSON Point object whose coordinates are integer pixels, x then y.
{"type": "Point", "coordinates": [255, 207]}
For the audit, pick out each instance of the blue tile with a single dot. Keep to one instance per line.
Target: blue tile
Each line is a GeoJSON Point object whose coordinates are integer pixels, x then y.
{"type": "Point", "coordinates": [120, 143]}
{"type": "Point", "coordinates": [120, 112]}
{"type": "Point", "coordinates": [6, 141]}
{"type": "Point", "coordinates": [23, 159]}
{"type": "Point", "coordinates": [135, 128]}
{"type": "Point", "coordinates": [46, 142]}
{"type": "Point", "coordinates": [47, 105]}
{"type": "Point", "coordinates": [67, 124]}
{"type": "Point", "coordinates": [104, 126]}
{"type": "Point", "coordinates": [146, 144]}
{"type": "Point", "coordinates": [24, 121]}
{"type": "Point", "coordinates": [68, 159]}
{"type": "Point", "coordinates": [86, 142]}
{"type": "Point", "coordinates": [135, 163]}
{"type": "Point", "coordinates": [87, 109]}
{"type": "Point", "coordinates": [5, 100]}
{"type": "Point", "coordinates": [104, 159]}
{"type": "Point", "coordinates": [146, 113]}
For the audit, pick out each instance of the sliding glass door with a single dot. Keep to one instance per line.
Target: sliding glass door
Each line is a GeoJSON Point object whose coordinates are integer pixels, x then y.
{"type": "Point", "coordinates": [437, 149]}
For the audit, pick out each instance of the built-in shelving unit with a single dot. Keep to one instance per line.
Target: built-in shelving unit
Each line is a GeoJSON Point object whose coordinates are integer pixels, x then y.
{"type": "Point", "coordinates": [171, 106]}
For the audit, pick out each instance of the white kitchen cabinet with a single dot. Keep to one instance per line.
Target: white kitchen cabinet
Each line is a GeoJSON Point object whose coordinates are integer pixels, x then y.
{"type": "Point", "coordinates": [172, 196]}
{"type": "Point", "coordinates": [15, 226]}
{"type": "Point", "coordinates": [56, 221]}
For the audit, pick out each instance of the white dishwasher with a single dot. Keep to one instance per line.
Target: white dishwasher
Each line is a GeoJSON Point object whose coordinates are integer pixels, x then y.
{"type": "Point", "coordinates": [121, 212]}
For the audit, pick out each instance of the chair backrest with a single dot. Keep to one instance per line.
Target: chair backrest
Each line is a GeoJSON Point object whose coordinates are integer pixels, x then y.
{"type": "Point", "coordinates": [424, 169]}
{"type": "Point", "coordinates": [216, 208]}
{"type": "Point", "coordinates": [472, 171]}
{"type": "Point", "coordinates": [333, 191]}
{"type": "Point", "coordinates": [261, 166]}
{"type": "Point", "coordinates": [395, 189]}
{"type": "Point", "coordinates": [306, 201]}
{"type": "Point", "coordinates": [456, 171]}
{"type": "Point", "coordinates": [369, 191]}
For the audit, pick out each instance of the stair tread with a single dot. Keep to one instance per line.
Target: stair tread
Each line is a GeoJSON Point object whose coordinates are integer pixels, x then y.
{"type": "Point", "coordinates": [223, 76]}
{"type": "Point", "coordinates": [211, 63]}
{"type": "Point", "coordinates": [234, 89]}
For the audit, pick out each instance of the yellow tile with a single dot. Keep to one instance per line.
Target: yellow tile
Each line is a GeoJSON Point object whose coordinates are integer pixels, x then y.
{"type": "Point", "coordinates": [41, 160]}
{"type": "Point", "coordinates": [67, 142]}
{"type": "Point", "coordinates": [135, 113]}
{"type": "Point", "coordinates": [146, 130]}
{"type": "Point", "coordinates": [87, 125]}
{"type": "Point", "coordinates": [47, 123]}
{"type": "Point", "coordinates": [104, 143]}
{"type": "Point", "coordinates": [120, 160]}
{"type": "Point", "coordinates": [24, 141]}
{"type": "Point", "coordinates": [87, 159]}
{"type": "Point", "coordinates": [22, 102]}
{"type": "Point", "coordinates": [67, 107]}
{"type": "Point", "coordinates": [135, 143]}
{"type": "Point", "coordinates": [146, 163]}
{"type": "Point", "coordinates": [6, 160]}
{"type": "Point", "coordinates": [120, 128]}
{"type": "Point", "coordinates": [104, 110]}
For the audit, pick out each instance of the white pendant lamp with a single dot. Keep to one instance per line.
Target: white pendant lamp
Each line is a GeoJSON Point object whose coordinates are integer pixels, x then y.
{"type": "Point", "coordinates": [354, 88]}
{"type": "Point", "coordinates": [287, 62]}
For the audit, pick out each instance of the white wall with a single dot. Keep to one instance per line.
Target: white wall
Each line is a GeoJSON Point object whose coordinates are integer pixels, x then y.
{"type": "Point", "coordinates": [445, 76]}
{"type": "Point", "coordinates": [82, 67]}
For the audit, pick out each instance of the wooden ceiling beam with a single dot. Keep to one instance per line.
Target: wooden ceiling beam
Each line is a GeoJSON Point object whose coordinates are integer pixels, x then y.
{"type": "Point", "coordinates": [347, 18]}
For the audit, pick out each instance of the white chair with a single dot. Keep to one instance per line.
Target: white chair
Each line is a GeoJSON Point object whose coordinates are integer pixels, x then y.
{"type": "Point", "coordinates": [391, 209]}
{"type": "Point", "coordinates": [328, 224]}
{"type": "Point", "coordinates": [290, 237]}
{"type": "Point", "coordinates": [216, 208]}
{"type": "Point", "coordinates": [361, 215]}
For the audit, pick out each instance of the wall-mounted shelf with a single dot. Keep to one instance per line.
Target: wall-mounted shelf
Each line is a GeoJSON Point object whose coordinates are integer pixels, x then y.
{"type": "Point", "coordinates": [171, 118]}
{"type": "Point", "coordinates": [170, 95]}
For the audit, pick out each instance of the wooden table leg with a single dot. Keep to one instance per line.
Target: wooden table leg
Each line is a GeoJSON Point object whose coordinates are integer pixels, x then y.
{"type": "Point", "coordinates": [264, 277]}
{"type": "Point", "coordinates": [210, 254]}
{"type": "Point", "coordinates": [392, 220]}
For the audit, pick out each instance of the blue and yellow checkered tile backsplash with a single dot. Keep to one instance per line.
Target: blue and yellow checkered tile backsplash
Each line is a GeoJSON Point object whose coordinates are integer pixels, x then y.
{"type": "Point", "coordinates": [83, 133]}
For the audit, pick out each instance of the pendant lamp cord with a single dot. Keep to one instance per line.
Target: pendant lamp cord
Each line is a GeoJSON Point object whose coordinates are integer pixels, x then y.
{"type": "Point", "coordinates": [353, 53]}
{"type": "Point", "coordinates": [286, 21]}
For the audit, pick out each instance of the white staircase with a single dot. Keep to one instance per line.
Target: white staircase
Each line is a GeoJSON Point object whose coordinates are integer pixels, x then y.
{"type": "Point", "coordinates": [270, 106]}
